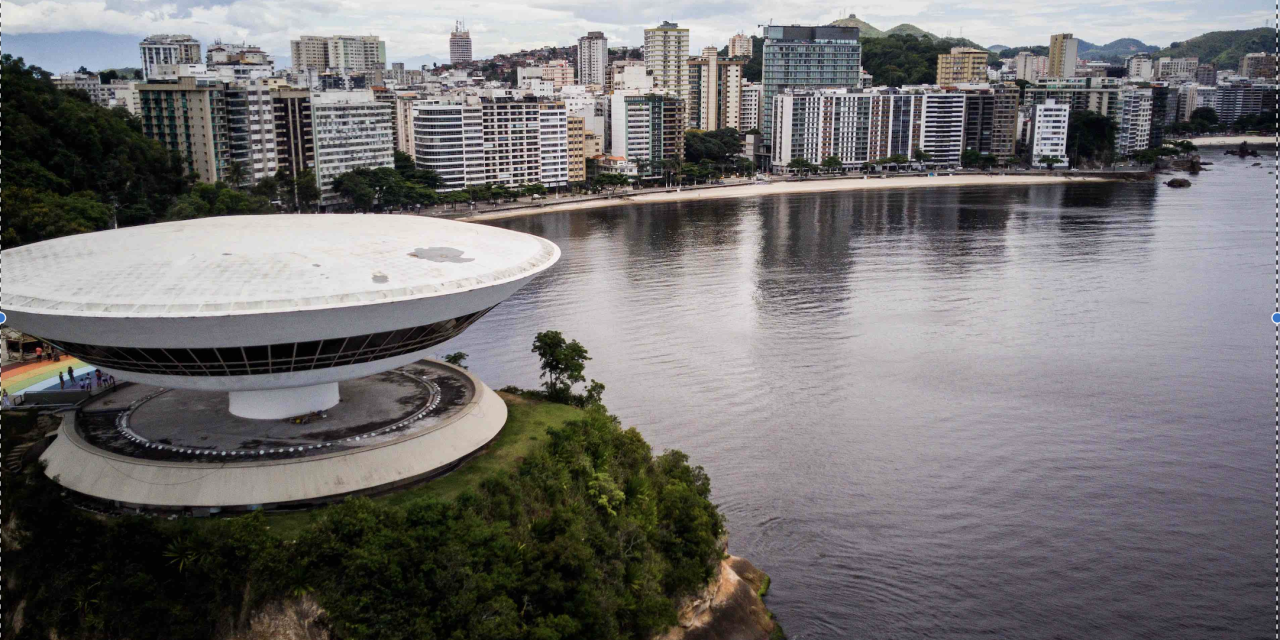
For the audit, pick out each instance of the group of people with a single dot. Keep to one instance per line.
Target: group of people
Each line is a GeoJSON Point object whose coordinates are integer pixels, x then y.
{"type": "Point", "coordinates": [88, 383]}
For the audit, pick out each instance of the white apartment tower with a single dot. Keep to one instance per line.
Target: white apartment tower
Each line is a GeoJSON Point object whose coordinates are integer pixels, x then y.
{"type": "Point", "coordinates": [1049, 132]}
{"type": "Point", "coordinates": [1134, 133]}
{"type": "Point", "coordinates": [164, 48]}
{"type": "Point", "coordinates": [449, 139]}
{"type": "Point", "coordinates": [740, 46]}
{"type": "Point", "coordinates": [942, 127]}
{"type": "Point", "coordinates": [1139, 67]}
{"type": "Point", "coordinates": [459, 45]}
{"type": "Point", "coordinates": [752, 96]}
{"type": "Point", "coordinates": [593, 59]}
{"type": "Point", "coordinates": [352, 130]}
{"type": "Point", "coordinates": [251, 131]}
{"type": "Point", "coordinates": [356, 54]}
{"type": "Point", "coordinates": [1030, 67]}
{"type": "Point", "coordinates": [666, 55]}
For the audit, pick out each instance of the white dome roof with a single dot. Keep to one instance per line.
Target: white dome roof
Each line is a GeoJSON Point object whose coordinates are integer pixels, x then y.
{"type": "Point", "coordinates": [237, 265]}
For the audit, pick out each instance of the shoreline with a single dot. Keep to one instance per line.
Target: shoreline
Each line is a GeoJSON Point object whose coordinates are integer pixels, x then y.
{"type": "Point", "coordinates": [784, 188]}
{"type": "Point", "coordinates": [1229, 141]}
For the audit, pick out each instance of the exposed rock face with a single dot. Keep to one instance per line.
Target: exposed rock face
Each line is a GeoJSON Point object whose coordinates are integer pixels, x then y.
{"type": "Point", "coordinates": [1179, 183]}
{"type": "Point", "coordinates": [292, 619]}
{"type": "Point", "coordinates": [729, 608]}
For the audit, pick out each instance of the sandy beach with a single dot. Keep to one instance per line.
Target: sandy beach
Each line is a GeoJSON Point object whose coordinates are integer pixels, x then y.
{"type": "Point", "coordinates": [776, 188]}
{"type": "Point", "coordinates": [1230, 141]}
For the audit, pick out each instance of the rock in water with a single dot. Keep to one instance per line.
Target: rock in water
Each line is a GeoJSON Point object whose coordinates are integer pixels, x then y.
{"type": "Point", "coordinates": [1179, 183]}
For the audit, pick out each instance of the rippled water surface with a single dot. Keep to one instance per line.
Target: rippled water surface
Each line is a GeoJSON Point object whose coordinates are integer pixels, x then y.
{"type": "Point", "coordinates": [989, 412]}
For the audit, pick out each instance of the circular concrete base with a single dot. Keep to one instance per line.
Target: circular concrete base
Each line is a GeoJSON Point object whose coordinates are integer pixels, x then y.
{"type": "Point", "coordinates": [392, 429]}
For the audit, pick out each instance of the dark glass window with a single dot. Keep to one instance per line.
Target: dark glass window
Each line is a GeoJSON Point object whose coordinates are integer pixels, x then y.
{"type": "Point", "coordinates": [273, 358]}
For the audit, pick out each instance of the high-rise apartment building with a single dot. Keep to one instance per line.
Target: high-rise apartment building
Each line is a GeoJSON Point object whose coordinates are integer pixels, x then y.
{"type": "Point", "coordinates": [577, 149]}
{"type": "Point", "coordinates": [251, 132]}
{"type": "Point", "coordinates": [189, 116]}
{"type": "Point", "coordinates": [942, 127]}
{"type": "Point", "coordinates": [1100, 95]}
{"type": "Point", "coordinates": [1206, 74]}
{"type": "Point", "coordinates": [991, 119]}
{"type": "Point", "coordinates": [502, 140]}
{"type": "Point", "coordinates": [855, 125]}
{"type": "Point", "coordinates": [752, 99]}
{"type": "Point", "coordinates": [593, 59]}
{"type": "Point", "coordinates": [798, 56]}
{"type": "Point", "coordinates": [1138, 67]}
{"type": "Point", "coordinates": [1134, 131]}
{"type": "Point", "coordinates": [1030, 67]}
{"type": "Point", "coordinates": [1234, 100]}
{"type": "Point", "coordinates": [295, 139]}
{"type": "Point", "coordinates": [1176, 68]}
{"type": "Point", "coordinates": [449, 139]}
{"type": "Point", "coordinates": [629, 74]}
{"type": "Point", "coordinates": [553, 143]}
{"type": "Point", "coordinates": [740, 46]}
{"type": "Point", "coordinates": [164, 48]}
{"type": "Point", "coordinates": [404, 120]}
{"type": "Point", "coordinates": [715, 91]}
{"type": "Point", "coordinates": [648, 130]}
{"type": "Point", "coordinates": [962, 65]}
{"type": "Point", "coordinates": [666, 53]}
{"type": "Point", "coordinates": [1049, 132]}
{"type": "Point", "coordinates": [343, 54]}
{"type": "Point", "coordinates": [1063, 49]}
{"type": "Point", "coordinates": [559, 73]}
{"type": "Point", "coordinates": [352, 130]}
{"type": "Point", "coordinates": [1193, 96]}
{"type": "Point", "coordinates": [459, 45]}
{"type": "Point", "coordinates": [1259, 65]}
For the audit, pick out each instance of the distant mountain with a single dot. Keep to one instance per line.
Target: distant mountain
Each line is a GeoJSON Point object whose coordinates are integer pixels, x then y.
{"type": "Point", "coordinates": [911, 30]}
{"type": "Point", "coordinates": [1122, 47]}
{"type": "Point", "coordinates": [416, 62]}
{"type": "Point", "coordinates": [1224, 48]}
{"type": "Point", "coordinates": [69, 50]}
{"type": "Point", "coordinates": [996, 48]}
{"type": "Point", "coordinates": [866, 30]}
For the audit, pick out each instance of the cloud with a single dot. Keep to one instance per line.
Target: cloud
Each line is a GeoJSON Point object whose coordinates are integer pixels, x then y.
{"type": "Point", "coordinates": [413, 28]}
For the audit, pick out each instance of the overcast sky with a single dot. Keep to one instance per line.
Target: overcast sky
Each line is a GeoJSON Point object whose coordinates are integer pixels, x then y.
{"type": "Point", "coordinates": [416, 27]}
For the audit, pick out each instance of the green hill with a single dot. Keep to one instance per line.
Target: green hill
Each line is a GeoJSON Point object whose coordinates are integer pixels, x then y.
{"type": "Point", "coordinates": [1224, 48]}
{"type": "Point", "coordinates": [911, 30]}
{"type": "Point", "coordinates": [865, 29]}
{"type": "Point", "coordinates": [867, 32]}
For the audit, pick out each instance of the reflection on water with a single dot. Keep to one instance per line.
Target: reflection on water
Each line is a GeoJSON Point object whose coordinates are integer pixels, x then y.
{"type": "Point", "coordinates": [1027, 412]}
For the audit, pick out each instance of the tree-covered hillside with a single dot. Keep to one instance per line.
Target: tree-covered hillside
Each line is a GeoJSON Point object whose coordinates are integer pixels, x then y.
{"type": "Point", "coordinates": [71, 166]}
{"type": "Point", "coordinates": [586, 535]}
{"type": "Point", "coordinates": [67, 162]}
{"type": "Point", "coordinates": [901, 59]}
{"type": "Point", "coordinates": [1224, 48]}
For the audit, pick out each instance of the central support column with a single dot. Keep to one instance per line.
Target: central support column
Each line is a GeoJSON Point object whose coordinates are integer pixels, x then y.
{"type": "Point", "coordinates": [277, 404]}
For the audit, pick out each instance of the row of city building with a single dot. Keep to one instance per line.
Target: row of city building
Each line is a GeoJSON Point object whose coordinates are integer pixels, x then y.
{"type": "Point", "coordinates": [338, 107]}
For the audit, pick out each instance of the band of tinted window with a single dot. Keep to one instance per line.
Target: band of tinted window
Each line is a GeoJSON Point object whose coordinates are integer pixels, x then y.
{"type": "Point", "coordinates": [273, 358]}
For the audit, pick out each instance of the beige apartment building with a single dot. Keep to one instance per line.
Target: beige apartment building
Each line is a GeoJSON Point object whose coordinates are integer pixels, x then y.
{"type": "Point", "coordinates": [189, 116]}
{"type": "Point", "coordinates": [715, 91]}
{"type": "Point", "coordinates": [962, 65]}
{"type": "Point", "coordinates": [577, 149]}
{"type": "Point", "coordinates": [666, 55]}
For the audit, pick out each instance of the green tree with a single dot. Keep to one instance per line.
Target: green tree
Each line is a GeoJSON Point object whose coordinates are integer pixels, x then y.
{"type": "Point", "coordinates": [235, 175]}
{"type": "Point", "coordinates": [1049, 161]}
{"type": "Point", "coordinates": [920, 155]}
{"type": "Point", "coordinates": [1205, 114]}
{"type": "Point", "coordinates": [562, 363]}
{"type": "Point", "coordinates": [1091, 138]}
{"type": "Point", "coordinates": [456, 359]}
{"type": "Point", "coordinates": [832, 163]}
{"type": "Point", "coordinates": [534, 189]}
{"type": "Point", "coordinates": [970, 158]}
{"type": "Point", "coordinates": [306, 190]}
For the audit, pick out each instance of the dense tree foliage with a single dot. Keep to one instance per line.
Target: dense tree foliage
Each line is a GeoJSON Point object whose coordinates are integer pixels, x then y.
{"type": "Point", "coordinates": [752, 70]}
{"type": "Point", "coordinates": [590, 537]}
{"type": "Point", "coordinates": [722, 146]}
{"type": "Point", "coordinates": [68, 163]}
{"type": "Point", "coordinates": [1091, 138]}
{"type": "Point", "coordinates": [900, 59]}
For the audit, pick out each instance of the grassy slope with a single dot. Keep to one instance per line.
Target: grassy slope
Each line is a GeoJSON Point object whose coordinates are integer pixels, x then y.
{"type": "Point", "coordinates": [527, 424]}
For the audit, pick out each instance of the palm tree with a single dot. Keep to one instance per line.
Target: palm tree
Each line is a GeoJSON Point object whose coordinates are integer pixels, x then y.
{"type": "Point", "coordinates": [235, 174]}
{"type": "Point", "coordinates": [672, 167]}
